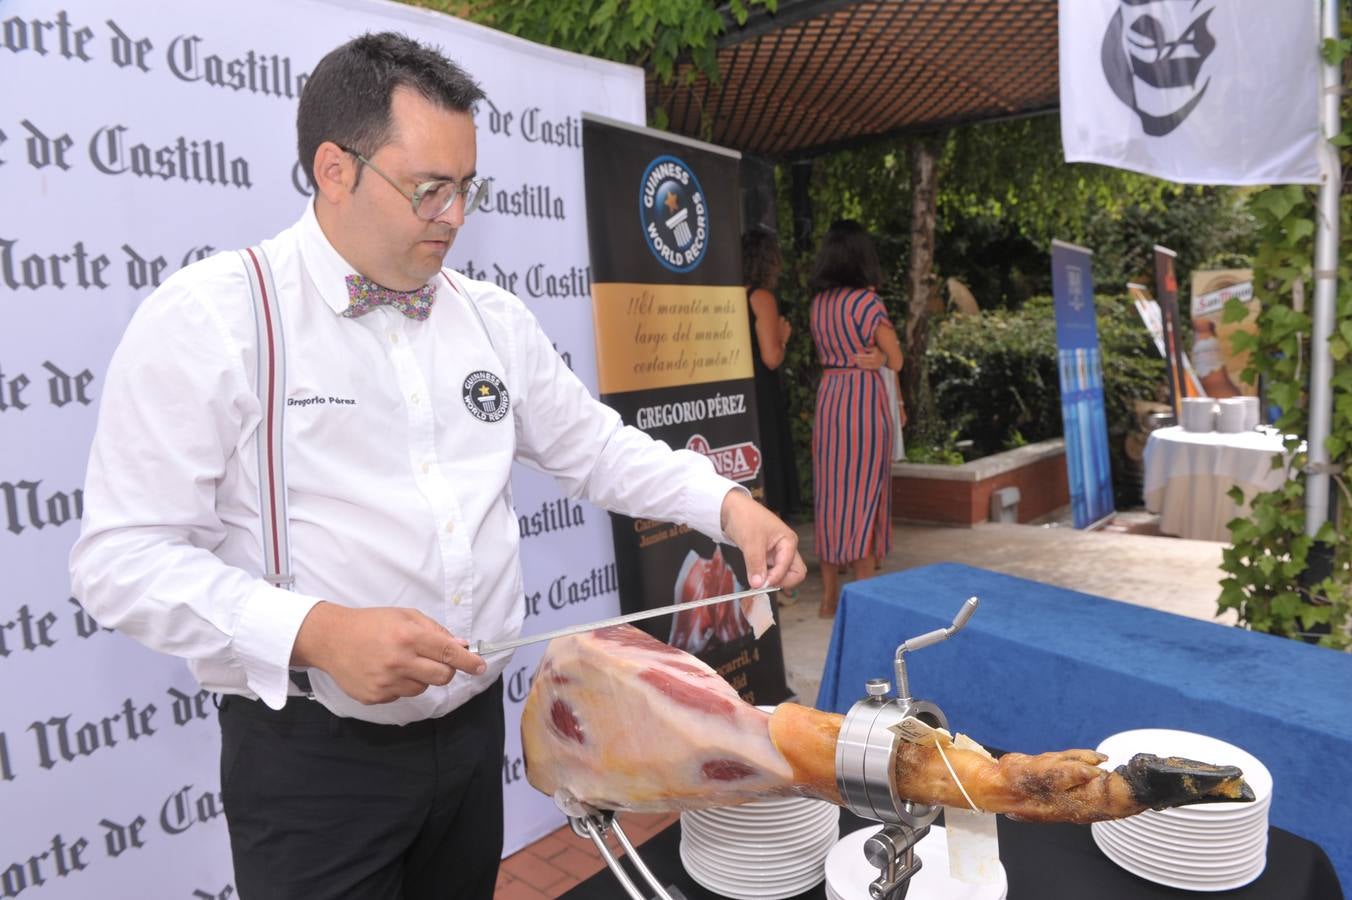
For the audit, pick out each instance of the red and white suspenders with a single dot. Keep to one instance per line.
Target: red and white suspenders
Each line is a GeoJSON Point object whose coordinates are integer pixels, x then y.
{"type": "Point", "coordinates": [271, 386]}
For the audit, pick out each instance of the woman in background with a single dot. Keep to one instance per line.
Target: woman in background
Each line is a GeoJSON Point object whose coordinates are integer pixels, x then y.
{"type": "Point", "coordinates": [761, 265]}
{"type": "Point", "coordinates": [852, 432]}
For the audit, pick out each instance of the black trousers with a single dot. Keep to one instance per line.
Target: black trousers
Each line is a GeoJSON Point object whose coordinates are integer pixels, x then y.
{"type": "Point", "coordinates": [321, 807]}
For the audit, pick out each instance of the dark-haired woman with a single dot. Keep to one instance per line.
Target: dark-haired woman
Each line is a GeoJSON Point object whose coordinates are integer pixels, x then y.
{"type": "Point", "coordinates": [852, 432]}
{"type": "Point", "coordinates": [761, 265]}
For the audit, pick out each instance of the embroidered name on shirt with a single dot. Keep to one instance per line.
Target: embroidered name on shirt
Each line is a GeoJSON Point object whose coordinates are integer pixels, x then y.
{"type": "Point", "coordinates": [320, 401]}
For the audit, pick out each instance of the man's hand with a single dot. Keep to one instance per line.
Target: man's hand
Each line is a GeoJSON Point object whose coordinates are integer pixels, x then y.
{"type": "Point", "coordinates": [381, 654]}
{"type": "Point", "coordinates": [764, 540]}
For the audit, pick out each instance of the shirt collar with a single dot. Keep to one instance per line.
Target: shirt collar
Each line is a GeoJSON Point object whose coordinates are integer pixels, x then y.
{"type": "Point", "coordinates": [327, 269]}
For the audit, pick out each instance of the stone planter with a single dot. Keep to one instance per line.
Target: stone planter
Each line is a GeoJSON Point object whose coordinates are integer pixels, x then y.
{"type": "Point", "coordinates": [961, 495]}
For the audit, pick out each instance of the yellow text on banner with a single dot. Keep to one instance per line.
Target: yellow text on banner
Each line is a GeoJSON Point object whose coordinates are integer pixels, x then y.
{"type": "Point", "coordinates": [668, 335]}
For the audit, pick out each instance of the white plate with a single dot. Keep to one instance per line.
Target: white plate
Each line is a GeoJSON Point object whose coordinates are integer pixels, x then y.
{"type": "Point", "coordinates": [788, 846]}
{"type": "Point", "coordinates": [848, 874]}
{"type": "Point", "coordinates": [1169, 842]}
{"type": "Point", "coordinates": [1196, 864]}
{"type": "Point", "coordinates": [1201, 824]}
{"type": "Point", "coordinates": [725, 880]}
{"type": "Point", "coordinates": [1214, 813]}
{"type": "Point", "coordinates": [782, 820]}
{"type": "Point", "coordinates": [1220, 830]}
{"type": "Point", "coordinates": [1124, 745]}
{"type": "Point", "coordinates": [1145, 862]}
{"type": "Point", "coordinates": [798, 810]}
{"type": "Point", "coordinates": [786, 820]}
{"type": "Point", "coordinates": [1174, 879]}
{"type": "Point", "coordinates": [1186, 881]}
{"type": "Point", "coordinates": [762, 832]}
{"type": "Point", "coordinates": [719, 858]}
{"type": "Point", "coordinates": [761, 889]}
{"type": "Point", "coordinates": [1240, 877]}
{"type": "Point", "coordinates": [1208, 838]}
{"type": "Point", "coordinates": [1184, 849]}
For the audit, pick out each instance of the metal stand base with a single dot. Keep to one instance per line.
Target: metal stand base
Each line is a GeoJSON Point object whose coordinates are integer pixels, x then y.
{"type": "Point", "coordinates": [595, 827]}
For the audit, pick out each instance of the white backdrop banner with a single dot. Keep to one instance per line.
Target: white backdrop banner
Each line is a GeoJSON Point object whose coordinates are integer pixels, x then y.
{"type": "Point", "coordinates": [1197, 91]}
{"type": "Point", "coordinates": [135, 138]}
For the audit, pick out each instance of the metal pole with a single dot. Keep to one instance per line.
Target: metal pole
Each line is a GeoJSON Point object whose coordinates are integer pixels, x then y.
{"type": "Point", "coordinates": [1327, 225]}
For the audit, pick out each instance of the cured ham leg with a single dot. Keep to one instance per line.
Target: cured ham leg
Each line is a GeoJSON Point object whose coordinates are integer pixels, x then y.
{"type": "Point", "coordinates": [618, 720]}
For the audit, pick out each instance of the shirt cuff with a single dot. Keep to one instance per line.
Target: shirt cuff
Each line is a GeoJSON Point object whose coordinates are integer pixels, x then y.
{"type": "Point", "coordinates": [704, 494]}
{"type": "Point", "coordinates": [265, 636]}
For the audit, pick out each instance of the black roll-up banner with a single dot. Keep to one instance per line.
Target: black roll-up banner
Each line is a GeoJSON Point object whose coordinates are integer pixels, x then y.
{"type": "Point", "coordinates": [673, 348]}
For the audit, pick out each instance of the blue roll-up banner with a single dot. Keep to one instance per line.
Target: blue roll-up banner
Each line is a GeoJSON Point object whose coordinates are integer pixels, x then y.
{"type": "Point", "coordinates": [1080, 365]}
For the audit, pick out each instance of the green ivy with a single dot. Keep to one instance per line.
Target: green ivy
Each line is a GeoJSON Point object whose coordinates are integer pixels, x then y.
{"type": "Point", "coordinates": [1267, 579]}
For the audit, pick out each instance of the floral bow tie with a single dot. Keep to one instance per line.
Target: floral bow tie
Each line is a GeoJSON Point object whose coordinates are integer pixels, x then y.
{"type": "Point", "coordinates": [365, 295]}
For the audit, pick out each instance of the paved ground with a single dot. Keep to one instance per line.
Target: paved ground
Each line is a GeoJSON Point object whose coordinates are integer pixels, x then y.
{"type": "Point", "coordinates": [1163, 573]}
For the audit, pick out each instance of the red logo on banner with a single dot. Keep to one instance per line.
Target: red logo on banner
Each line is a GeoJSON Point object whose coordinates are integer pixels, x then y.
{"type": "Point", "coordinates": [736, 462]}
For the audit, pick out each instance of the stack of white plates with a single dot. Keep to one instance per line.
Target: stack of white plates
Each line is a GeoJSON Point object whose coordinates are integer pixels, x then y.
{"type": "Point", "coordinates": [1199, 414]}
{"type": "Point", "coordinates": [848, 873]}
{"type": "Point", "coordinates": [759, 851]}
{"type": "Point", "coordinates": [1251, 413]}
{"type": "Point", "coordinates": [1209, 847]}
{"type": "Point", "coordinates": [1232, 415]}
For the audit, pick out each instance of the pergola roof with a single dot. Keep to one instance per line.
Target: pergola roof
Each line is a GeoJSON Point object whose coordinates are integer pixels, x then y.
{"type": "Point", "coordinates": [822, 74]}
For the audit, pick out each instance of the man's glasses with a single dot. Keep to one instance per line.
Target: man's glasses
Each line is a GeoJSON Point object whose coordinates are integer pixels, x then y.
{"type": "Point", "coordinates": [432, 198]}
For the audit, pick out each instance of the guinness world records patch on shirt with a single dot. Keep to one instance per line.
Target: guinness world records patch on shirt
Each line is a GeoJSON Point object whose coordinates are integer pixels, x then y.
{"type": "Point", "coordinates": [485, 396]}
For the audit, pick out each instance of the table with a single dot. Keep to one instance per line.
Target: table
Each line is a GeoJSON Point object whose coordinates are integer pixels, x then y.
{"type": "Point", "coordinates": [1042, 668]}
{"type": "Point", "coordinates": [1189, 474]}
{"type": "Point", "coordinates": [1042, 862]}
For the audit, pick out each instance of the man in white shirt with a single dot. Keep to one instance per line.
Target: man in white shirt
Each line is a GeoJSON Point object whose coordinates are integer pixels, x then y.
{"type": "Point", "coordinates": [383, 782]}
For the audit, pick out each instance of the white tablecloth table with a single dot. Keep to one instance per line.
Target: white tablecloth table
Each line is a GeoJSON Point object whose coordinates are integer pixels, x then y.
{"type": "Point", "coordinates": [1188, 475]}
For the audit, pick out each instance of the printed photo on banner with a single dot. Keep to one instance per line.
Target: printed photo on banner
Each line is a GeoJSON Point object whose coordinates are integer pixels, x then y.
{"type": "Point", "coordinates": [1218, 364]}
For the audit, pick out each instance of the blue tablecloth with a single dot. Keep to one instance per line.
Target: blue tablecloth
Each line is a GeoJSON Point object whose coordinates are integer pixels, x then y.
{"type": "Point", "coordinates": [1043, 668]}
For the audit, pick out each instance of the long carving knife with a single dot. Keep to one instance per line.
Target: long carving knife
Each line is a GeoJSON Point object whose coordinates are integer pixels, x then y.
{"type": "Point", "coordinates": [483, 648]}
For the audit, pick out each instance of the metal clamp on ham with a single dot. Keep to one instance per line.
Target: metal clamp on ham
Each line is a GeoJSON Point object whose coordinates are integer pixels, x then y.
{"type": "Point", "coordinates": [866, 757]}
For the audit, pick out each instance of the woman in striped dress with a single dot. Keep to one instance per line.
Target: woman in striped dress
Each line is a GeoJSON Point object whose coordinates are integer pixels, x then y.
{"type": "Point", "coordinates": [852, 432]}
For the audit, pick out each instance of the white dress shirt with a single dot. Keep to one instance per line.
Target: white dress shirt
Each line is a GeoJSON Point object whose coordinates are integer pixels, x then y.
{"type": "Point", "coordinates": [398, 495]}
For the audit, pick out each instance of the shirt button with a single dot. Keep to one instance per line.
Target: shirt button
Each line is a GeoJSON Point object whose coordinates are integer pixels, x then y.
{"type": "Point", "coordinates": [413, 398]}
{"type": "Point", "coordinates": [394, 338]}
{"type": "Point", "coordinates": [425, 468]}
{"type": "Point", "coordinates": [456, 600]}
{"type": "Point", "coordinates": [450, 526]}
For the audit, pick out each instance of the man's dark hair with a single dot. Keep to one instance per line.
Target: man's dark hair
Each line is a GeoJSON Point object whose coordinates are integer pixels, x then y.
{"type": "Point", "coordinates": [847, 258]}
{"type": "Point", "coordinates": [761, 259]}
{"type": "Point", "coordinates": [347, 97]}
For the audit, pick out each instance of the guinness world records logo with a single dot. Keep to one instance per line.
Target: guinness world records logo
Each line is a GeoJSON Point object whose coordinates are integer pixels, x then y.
{"type": "Point", "coordinates": [674, 214]}
{"type": "Point", "coordinates": [485, 396]}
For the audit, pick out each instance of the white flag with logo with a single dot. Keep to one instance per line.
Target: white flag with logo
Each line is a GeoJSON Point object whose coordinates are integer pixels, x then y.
{"type": "Point", "coordinates": [1199, 91]}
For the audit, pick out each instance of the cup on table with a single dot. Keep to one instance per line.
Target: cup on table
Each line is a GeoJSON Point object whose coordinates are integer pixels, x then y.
{"type": "Point", "coordinates": [1199, 414]}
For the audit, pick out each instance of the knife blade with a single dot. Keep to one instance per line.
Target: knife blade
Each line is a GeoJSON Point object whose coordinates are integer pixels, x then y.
{"type": "Point", "coordinates": [483, 648]}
